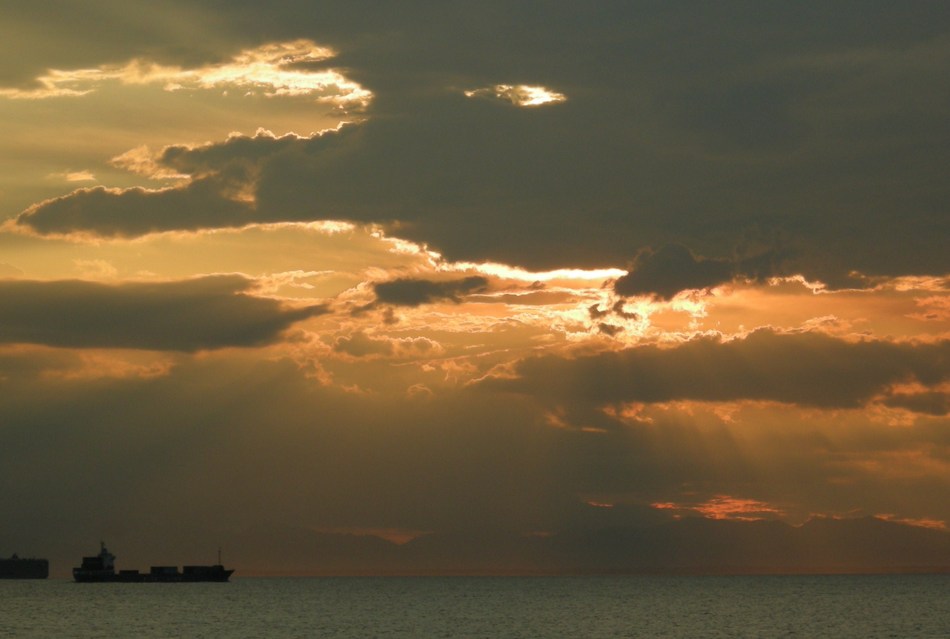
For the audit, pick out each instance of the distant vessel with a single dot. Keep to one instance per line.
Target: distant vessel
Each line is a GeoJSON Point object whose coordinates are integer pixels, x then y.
{"type": "Point", "coordinates": [17, 568]}
{"type": "Point", "coordinates": [101, 569]}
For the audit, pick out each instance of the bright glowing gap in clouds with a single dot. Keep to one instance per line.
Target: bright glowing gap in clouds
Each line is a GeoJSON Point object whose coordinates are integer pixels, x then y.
{"type": "Point", "coordinates": [266, 70]}
{"type": "Point", "coordinates": [924, 522]}
{"type": "Point", "coordinates": [515, 273]}
{"type": "Point", "coordinates": [520, 95]}
{"type": "Point", "coordinates": [73, 176]}
{"type": "Point", "coordinates": [726, 507]}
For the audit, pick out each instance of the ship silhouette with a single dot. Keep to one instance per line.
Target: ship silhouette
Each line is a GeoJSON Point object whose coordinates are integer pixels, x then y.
{"type": "Point", "coordinates": [101, 569]}
{"type": "Point", "coordinates": [23, 568]}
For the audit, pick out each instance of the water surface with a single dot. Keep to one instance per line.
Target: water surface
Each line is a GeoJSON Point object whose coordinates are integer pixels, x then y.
{"type": "Point", "coordinates": [904, 606]}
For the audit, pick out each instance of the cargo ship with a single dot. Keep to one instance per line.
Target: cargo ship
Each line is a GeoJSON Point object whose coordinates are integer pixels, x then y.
{"type": "Point", "coordinates": [101, 569]}
{"type": "Point", "coordinates": [25, 568]}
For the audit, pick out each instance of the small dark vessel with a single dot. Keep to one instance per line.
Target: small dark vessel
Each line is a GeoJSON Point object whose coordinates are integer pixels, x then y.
{"type": "Point", "coordinates": [101, 569]}
{"type": "Point", "coordinates": [27, 568]}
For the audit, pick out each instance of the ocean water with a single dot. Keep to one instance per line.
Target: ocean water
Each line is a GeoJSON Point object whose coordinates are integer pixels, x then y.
{"type": "Point", "coordinates": [491, 607]}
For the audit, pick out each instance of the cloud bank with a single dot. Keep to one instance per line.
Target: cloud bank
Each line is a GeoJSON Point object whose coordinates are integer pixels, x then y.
{"type": "Point", "coordinates": [199, 314]}
{"type": "Point", "coordinates": [808, 369]}
{"type": "Point", "coordinates": [812, 146]}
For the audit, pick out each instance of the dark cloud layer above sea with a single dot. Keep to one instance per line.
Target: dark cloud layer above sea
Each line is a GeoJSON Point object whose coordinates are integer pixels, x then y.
{"type": "Point", "coordinates": [807, 369]}
{"type": "Point", "coordinates": [190, 315]}
{"type": "Point", "coordinates": [723, 129]}
{"type": "Point", "coordinates": [220, 445]}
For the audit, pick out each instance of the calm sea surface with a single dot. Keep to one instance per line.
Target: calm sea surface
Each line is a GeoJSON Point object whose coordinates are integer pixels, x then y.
{"type": "Point", "coordinates": [588, 607]}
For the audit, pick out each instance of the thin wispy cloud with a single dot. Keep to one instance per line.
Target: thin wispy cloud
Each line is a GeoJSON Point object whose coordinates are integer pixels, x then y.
{"type": "Point", "coordinates": [272, 70]}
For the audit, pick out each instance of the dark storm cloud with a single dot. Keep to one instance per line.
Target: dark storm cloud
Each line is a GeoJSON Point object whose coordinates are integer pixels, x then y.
{"type": "Point", "coordinates": [715, 127]}
{"type": "Point", "coordinates": [192, 315]}
{"type": "Point", "coordinates": [711, 126]}
{"type": "Point", "coordinates": [805, 368]}
{"type": "Point", "coordinates": [415, 292]}
{"type": "Point", "coordinates": [673, 268]}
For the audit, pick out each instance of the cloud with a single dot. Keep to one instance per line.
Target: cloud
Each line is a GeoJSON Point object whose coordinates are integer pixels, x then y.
{"type": "Point", "coordinates": [416, 292]}
{"type": "Point", "coordinates": [726, 507]}
{"type": "Point", "coordinates": [735, 140]}
{"type": "Point", "coordinates": [219, 190]}
{"type": "Point", "coordinates": [519, 95]}
{"type": "Point", "coordinates": [23, 363]}
{"type": "Point", "coordinates": [670, 270]}
{"type": "Point", "coordinates": [74, 176]}
{"type": "Point", "coordinates": [673, 268]}
{"type": "Point", "coordinates": [452, 175]}
{"type": "Point", "coordinates": [716, 145]}
{"type": "Point", "coordinates": [23, 366]}
{"type": "Point", "coordinates": [137, 211]}
{"type": "Point", "coordinates": [273, 70]}
{"type": "Point", "coordinates": [82, 37]}
{"type": "Point", "coordinates": [531, 298]}
{"type": "Point", "coordinates": [929, 403]}
{"type": "Point", "coordinates": [195, 444]}
{"type": "Point", "coordinates": [609, 329]}
{"type": "Point", "coordinates": [810, 369]}
{"type": "Point", "coordinates": [191, 315]}
{"type": "Point", "coordinates": [239, 154]}
{"type": "Point", "coordinates": [359, 344]}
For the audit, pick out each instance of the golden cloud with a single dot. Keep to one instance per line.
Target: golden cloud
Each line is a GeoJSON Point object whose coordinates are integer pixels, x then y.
{"type": "Point", "coordinates": [271, 70]}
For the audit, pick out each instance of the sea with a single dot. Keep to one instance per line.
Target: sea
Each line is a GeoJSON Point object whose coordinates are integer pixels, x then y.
{"type": "Point", "coordinates": [902, 606]}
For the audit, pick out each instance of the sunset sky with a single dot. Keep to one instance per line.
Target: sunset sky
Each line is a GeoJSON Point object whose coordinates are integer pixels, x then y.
{"type": "Point", "coordinates": [395, 269]}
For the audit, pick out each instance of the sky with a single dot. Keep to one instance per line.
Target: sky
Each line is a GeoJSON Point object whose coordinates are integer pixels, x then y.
{"type": "Point", "coordinates": [388, 271]}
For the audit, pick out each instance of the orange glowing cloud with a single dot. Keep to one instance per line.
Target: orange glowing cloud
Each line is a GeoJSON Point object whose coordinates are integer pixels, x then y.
{"type": "Point", "coordinates": [922, 522]}
{"type": "Point", "coordinates": [725, 507]}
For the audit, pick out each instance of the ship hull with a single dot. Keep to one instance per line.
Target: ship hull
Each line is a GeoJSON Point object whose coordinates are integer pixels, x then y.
{"type": "Point", "coordinates": [197, 574]}
{"type": "Point", "coordinates": [24, 568]}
